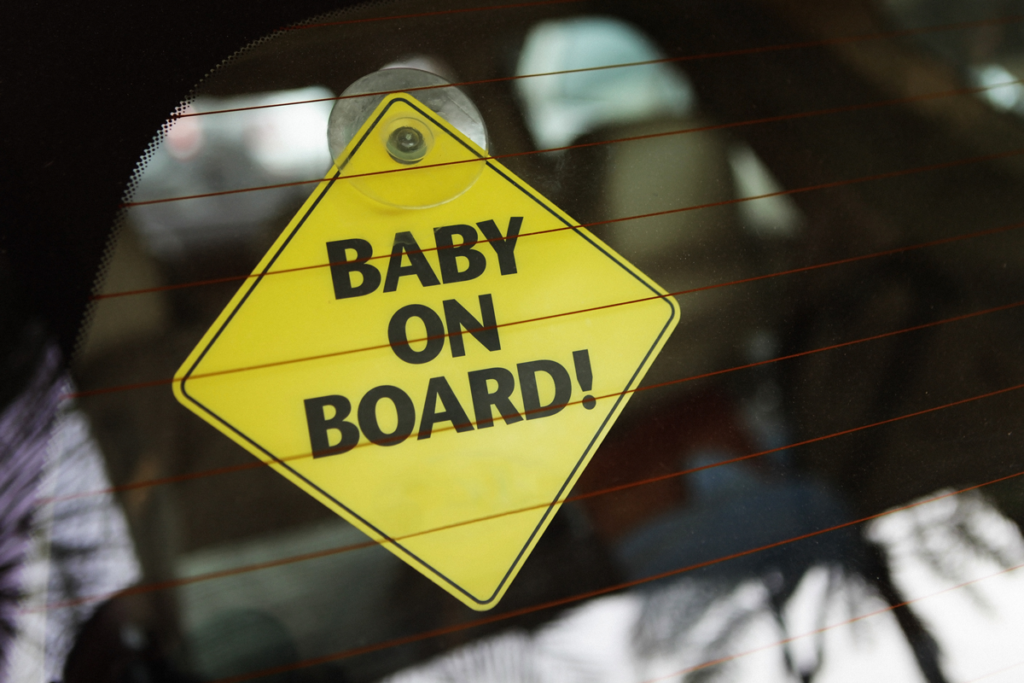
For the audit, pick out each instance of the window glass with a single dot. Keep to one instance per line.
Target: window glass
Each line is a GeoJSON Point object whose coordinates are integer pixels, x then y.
{"type": "Point", "coordinates": [817, 478]}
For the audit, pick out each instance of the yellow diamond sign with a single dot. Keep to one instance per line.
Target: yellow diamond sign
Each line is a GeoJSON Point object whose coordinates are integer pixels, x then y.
{"type": "Point", "coordinates": [439, 376]}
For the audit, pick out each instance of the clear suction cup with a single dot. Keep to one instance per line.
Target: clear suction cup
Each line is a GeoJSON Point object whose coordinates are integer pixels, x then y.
{"type": "Point", "coordinates": [439, 95]}
{"type": "Point", "coordinates": [408, 156]}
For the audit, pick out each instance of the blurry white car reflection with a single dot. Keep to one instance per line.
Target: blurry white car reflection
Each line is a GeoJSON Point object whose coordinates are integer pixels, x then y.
{"type": "Point", "coordinates": [252, 143]}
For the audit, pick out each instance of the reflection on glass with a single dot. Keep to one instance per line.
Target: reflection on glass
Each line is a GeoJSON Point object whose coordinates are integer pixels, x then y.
{"type": "Point", "coordinates": [713, 537]}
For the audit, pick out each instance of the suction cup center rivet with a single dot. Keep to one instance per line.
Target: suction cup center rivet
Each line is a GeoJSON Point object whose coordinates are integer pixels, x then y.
{"type": "Point", "coordinates": [406, 145]}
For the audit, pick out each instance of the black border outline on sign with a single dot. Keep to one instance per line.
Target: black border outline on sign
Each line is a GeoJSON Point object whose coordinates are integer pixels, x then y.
{"type": "Point", "coordinates": [586, 451]}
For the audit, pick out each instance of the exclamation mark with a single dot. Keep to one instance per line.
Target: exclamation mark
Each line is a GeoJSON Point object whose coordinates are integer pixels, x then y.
{"type": "Point", "coordinates": [585, 376]}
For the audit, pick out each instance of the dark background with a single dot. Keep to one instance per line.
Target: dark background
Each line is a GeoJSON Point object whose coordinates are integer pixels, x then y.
{"type": "Point", "coordinates": [83, 88]}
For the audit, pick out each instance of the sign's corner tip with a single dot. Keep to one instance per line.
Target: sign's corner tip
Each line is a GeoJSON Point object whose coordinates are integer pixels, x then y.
{"type": "Point", "coordinates": [482, 606]}
{"type": "Point", "coordinates": [178, 387]}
